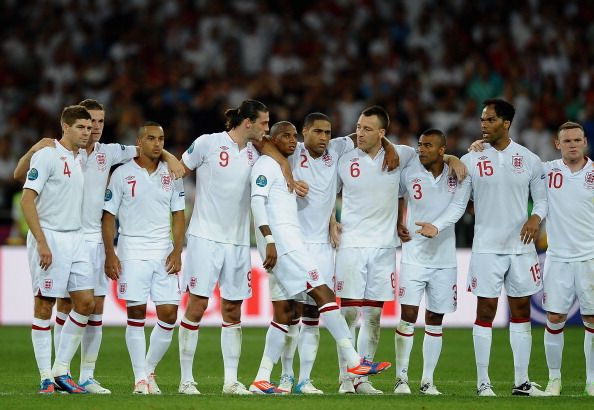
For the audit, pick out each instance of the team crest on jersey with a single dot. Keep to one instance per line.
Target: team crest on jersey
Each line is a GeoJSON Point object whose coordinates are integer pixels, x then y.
{"type": "Point", "coordinates": [339, 285]}
{"type": "Point", "coordinates": [101, 160]}
{"type": "Point", "coordinates": [193, 281]}
{"type": "Point", "coordinates": [48, 284]}
{"type": "Point", "coordinates": [33, 174]}
{"type": "Point", "coordinates": [327, 158]}
{"type": "Point", "coordinates": [452, 183]}
{"type": "Point", "coordinates": [313, 274]}
{"type": "Point", "coordinates": [518, 163]}
{"type": "Point", "coordinates": [589, 180]}
{"type": "Point", "coordinates": [166, 182]}
{"type": "Point", "coordinates": [401, 292]}
{"type": "Point", "coordinates": [261, 181]}
{"type": "Point", "coordinates": [250, 157]}
{"type": "Point", "coordinates": [108, 195]}
{"type": "Point", "coordinates": [123, 287]}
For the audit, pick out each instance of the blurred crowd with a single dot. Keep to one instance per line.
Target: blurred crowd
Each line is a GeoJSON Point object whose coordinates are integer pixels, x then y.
{"type": "Point", "coordinates": [182, 62]}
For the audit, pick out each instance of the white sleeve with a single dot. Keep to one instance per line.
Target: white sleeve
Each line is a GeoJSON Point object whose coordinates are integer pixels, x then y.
{"type": "Point", "coordinates": [113, 194]}
{"type": "Point", "coordinates": [259, 211]}
{"type": "Point", "coordinates": [457, 206]}
{"type": "Point", "coordinates": [119, 154]}
{"type": "Point", "coordinates": [178, 197]}
{"type": "Point", "coordinates": [40, 169]}
{"type": "Point", "coordinates": [194, 156]}
{"type": "Point", "coordinates": [538, 190]}
{"type": "Point", "coordinates": [402, 185]}
{"type": "Point", "coordinates": [406, 154]}
{"type": "Point", "coordinates": [341, 145]}
{"type": "Point", "coordinates": [262, 179]}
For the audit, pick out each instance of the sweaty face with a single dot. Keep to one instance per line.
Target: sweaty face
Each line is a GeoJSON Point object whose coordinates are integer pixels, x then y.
{"type": "Point", "coordinates": [98, 120]}
{"type": "Point", "coordinates": [492, 127]}
{"type": "Point", "coordinates": [78, 133]}
{"type": "Point", "coordinates": [572, 144]}
{"type": "Point", "coordinates": [151, 142]}
{"type": "Point", "coordinates": [430, 149]}
{"type": "Point", "coordinates": [317, 136]}
{"type": "Point", "coordinates": [259, 127]}
{"type": "Point", "coordinates": [286, 139]}
{"type": "Point", "coordinates": [369, 133]}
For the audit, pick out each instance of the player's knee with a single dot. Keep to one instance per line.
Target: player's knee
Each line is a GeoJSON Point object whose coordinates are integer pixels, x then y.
{"type": "Point", "coordinates": [99, 303]}
{"type": "Point", "coordinates": [43, 308]}
{"type": "Point", "coordinates": [64, 305]}
{"type": "Point", "coordinates": [196, 308]}
{"type": "Point", "coordinates": [556, 317]}
{"type": "Point", "coordinates": [170, 316]}
{"type": "Point", "coordinates": [409, 313]}
{"type": "Point", "coordinates": [433, 319]}
{"type": "Point", "coordinates": [231, 311]}
{"type": "Point", "coordinates": [588, 319]}
{"type": "Point", "coordinates": [311, 311]}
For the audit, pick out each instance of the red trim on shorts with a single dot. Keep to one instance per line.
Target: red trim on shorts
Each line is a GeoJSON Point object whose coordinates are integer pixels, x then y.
{"type": "Point", "coordinates": [554, 331]}
{"type": "Point", "coordinates": [279, 327]}
{"type": "Point", "coordinates": [589, 329]}
{"type": "Point", "coordinates": [94, 322]}
{"type": "Point", "coordinates": [372, 303]}
{"type": "Point", "coordinates": [169, 329]}
{"type": "Point", "coordinates": [433, 334]}
{"type": "Point", "coordinates": [35, 327]}
{"type": "Point", "coordinates": [519, 320]}
{"type": "Point", "coordinates": [60, 321]}
{"type": "Point", "coordinates": [189, 326]}
{"type": "Point", "coordinates": [310, 322]}
{"type": "Point", "coordinates": [230, 324]}
{"type": "Point", "coordinates": [329, 308]}
{"type": "Point", "coordinates": [135, 324]}
{"type": "Point", "coordinates": [77, 323]}
{"type": "Point", "coordinates": [403, 334]}
{"type": "Point", "coordinates": [483, 324]}
{"type": "Point", "coordinates": [351, 303]}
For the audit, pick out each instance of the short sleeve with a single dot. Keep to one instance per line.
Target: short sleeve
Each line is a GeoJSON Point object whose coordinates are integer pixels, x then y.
{"type": "Point", "coordinates": [340, 145]}
{"type": "Point", "coordinates": [406, 154]}
{"type": "Point", "coordinates": [194, 156]}
{"type": "Point", "coordinates": [262, 178]}
{"type": "Point", "coordinates": [113, 193]}
{"type": "Point", "coordinates": [178, 198]}
{"type": "Point", "coordinates": [119, 154]}
{"type": "Point", "coordinates": [40, 169]}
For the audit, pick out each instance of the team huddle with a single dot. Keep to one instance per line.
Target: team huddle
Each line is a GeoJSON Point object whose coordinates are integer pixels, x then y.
{"type": "Point", "coordinates": [391, 195]}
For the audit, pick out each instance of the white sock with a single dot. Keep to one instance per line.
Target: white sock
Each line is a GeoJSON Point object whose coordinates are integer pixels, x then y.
{"type": "Point", "coordinates": [520, 339]}
{"type": "Point", "coordinates": [482, 335]}
{"type": "Point", "coordinates": [337, 326]}
{"type": "Point", "coordinates": [553, 342]}
{"type": "Point", "coordinates": [231, 348]}
{"type": "Point", "coordinates": [288, 353]}
{"type": "Point", "coordinates": [309, 340]}
{"type": "Point", "coordinates": [431, 351]}
{"type": "Point", "coordinates": [275, 342]}
{"type": "Point", "coordinates": [588, 351]}
{"type": "Point", "coordinates": [69, 341]}
{"type": "Point", "coordinates": [187, 335]}
{"type": "Point", "coordinates": [136, 343]}
{"type": "Point", "coordinates": [60, 321]}
{"type": "Point", "coordinates": [41, 336]}
{"type": "Point", "coordinates": [351, 313]}
{"type": "Point", "coordinates": [89, 347]}
{"type": "Point", "coordinates": [403, 342]}
{"type": "Point", "coordinates": [369, 333]}
{"type": "Point", "coordinates": [161, 337]}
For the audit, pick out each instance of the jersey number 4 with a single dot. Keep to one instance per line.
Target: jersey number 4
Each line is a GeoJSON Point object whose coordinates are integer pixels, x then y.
{"type": "Point", "coordinates": [67, 170]}
{"type": "Point", "coordinates": [485, 168]}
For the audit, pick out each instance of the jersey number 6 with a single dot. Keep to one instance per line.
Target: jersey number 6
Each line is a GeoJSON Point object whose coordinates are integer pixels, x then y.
{"type": "Point", "coordinates": [355, 171]}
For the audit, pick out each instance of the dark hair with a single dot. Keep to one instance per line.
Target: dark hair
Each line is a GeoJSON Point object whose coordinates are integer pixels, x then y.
{"type": "Point", "coordinates": [74, 112]}
{"type": "Point", "coordinates": [275, 129]}
{"type": "Point", "coordinates": [250, 109]}
{"type": "Point", "coordinates": [91, 104]}
{"type": "Point", "coordinates": [141, 130]}
{"type": "Point", "coordinates": [380, 112]}
{"type": "Point", "coordinates": [438, 133]}
{"type": "Point", "coordinates": [503, 109]}
{"type": "Point", "coordinates": [569, 126]}
{"type": "Point", "coordinates": [313, 117]}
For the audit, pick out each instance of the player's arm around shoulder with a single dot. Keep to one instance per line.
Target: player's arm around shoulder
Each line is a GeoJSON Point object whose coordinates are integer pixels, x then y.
{"type": "Point", "coordinates": [112, 200]}
{"type": "Point", "coordinates": [20, 171]}
{"type": "Point", "coordinates": [178, 227]}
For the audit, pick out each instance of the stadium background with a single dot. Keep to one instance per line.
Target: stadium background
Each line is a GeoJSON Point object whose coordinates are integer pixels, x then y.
{"type": "Point", "coordinates": [181, 63]}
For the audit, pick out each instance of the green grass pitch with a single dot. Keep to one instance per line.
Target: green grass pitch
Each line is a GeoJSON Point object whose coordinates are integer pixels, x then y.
{"type": "Point", "coordinates": [455, 375]}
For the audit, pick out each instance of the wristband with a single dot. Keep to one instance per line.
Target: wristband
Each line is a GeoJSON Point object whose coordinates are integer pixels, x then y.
{"type": "Point", "coordinates": [269, 239]}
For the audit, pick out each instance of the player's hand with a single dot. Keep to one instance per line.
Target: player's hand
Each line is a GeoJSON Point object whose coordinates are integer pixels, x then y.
{"type": "Point", "coordinates": [403, 233]}
{"type": "Point", "coordinates": [335, 232]}
{"type": "Point", "coordinates": [457, 168]}
{"type": "Point", "coordinates": [301, 188]}
{"type": "Point", "coordinates": [113, 267]}
{"type": "Point", "coordinates": [427, 230]}
{"type": "Point", "coordinates": [42, 143]}
{"type": "Point", "coordinates": [530, 229]}
{"type": "Point", "coordinates": [173, 263]}
{"type": "Point", "coordinates": [270, 260]}
{"type": "Point", "coordinates": [45, 255]}
{"type": "Point", "coordinates": [391, 159]}
{"type": "Point", "coordinates": [477, 146]}
{"type": "Point", "coordinates": [288, 174]}
{"type": "Point", "coordinates": [176, 168]}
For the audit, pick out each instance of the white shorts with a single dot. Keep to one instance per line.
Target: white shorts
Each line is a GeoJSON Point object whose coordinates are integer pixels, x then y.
{"type": "Point", "coordinates": [366, 273]}
{"type": "Point", "coordinates": [143, 278]}
{"type": "Point", "coordinates": [293, 273]}
{"type": "Point", "coordinates": [100, 279]}
{"type": "Point", "coordinates": [70, 269]}
{"type": "Point", "coordinates": [323, 253]}
{"type": "Point", "coordinates": [208, 262]}
{"type": "Point", "coordinates": [519, 273]}
{"type": "Point", "coordinates": [439, 285]}
{"type": "Point", "coordinates": [564, 281]}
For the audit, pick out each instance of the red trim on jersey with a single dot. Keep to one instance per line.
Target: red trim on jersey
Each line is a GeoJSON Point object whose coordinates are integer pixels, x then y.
{"type": "Point", "coordinates": [94, 322]}
{"type": "Point", "coordinates": [310, 322]}
{"type": "Point", "coordinates": [77, 323]}
{"type": "Point", "coordinates": [372, 303]}
{"type": "Point", "coordinates": [554, 331]}
{"type": "Point", "coordinates": [433, 334]}
{"type": "Point", "coordinates": [189, 326]}
{"type": "Point", "coordinates": [35, 327]}
{"type": "Point", "coordinates": [230, 324]}
{"type": "Point", "coordinates": [483, 324]}
{"type": "Point", "coordinates": [169, 329]}
{"type": "Point", "coordinates": [330, 308]}
{"type": "Point", "coordinates": [135, 324]}
{"type": "Point", "coordinates": [403, 334]}
{"type": "Point", "coordinates": [519, 320]}
{"type": "Point", "coordinates": [349, 303]}
{"type": "Point", "coordinates": [279, 327]}
{"type": "Point", "coordinates": [60, 321]}
{"type": "Point", "coordinates": [589, 329]}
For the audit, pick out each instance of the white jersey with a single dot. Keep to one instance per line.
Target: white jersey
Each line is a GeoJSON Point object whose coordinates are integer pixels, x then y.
{"type": "Point", "coordinates": [427, 198]}
{"type": "Point", "coordinates": [96, 167]}
{"type": "Point", "coordinates": [501, 182]}
{"type": "Point", "coordinates": [281, 206]}
{"type": "Point", "coordinates": [370, 198]}
{"type": "Point", "coordinates": [570, 221]}
{"type": "Point", "coordinates": [222, 207]}
{"type": "Point", "coordinates": [144, 203]}
{"type": "Point", "coordinates": [56, 175]}
{"type": "Point", "coordinates": [320, 174]}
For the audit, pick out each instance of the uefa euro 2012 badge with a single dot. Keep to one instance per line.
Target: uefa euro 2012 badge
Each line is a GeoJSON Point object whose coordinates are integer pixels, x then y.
{"type": "Point", "coordinates": [261, 181]}
{"type": "Point", "coordinates": [108, 195]}
{"type": "Point", "coordinates": [32, 175]}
